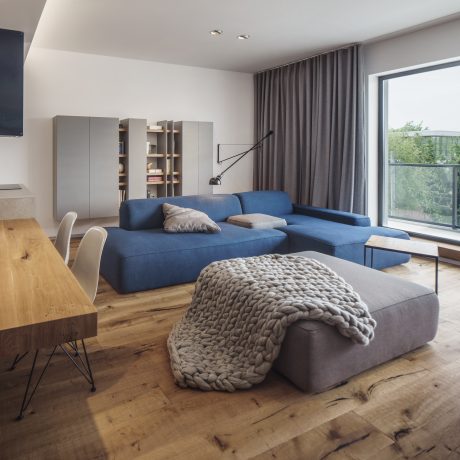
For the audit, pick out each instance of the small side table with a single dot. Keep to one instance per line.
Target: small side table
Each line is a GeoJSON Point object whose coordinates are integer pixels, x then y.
{"type": "Point", "coordinates": [414, 248]}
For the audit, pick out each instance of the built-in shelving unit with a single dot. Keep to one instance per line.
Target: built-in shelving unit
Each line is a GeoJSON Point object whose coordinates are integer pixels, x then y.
{"type": "Point", "coordinates": [164, 165]}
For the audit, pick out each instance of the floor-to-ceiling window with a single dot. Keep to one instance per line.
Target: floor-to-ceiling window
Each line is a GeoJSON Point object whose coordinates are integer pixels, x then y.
{"type": "Point", "coordinates": [420, 150]}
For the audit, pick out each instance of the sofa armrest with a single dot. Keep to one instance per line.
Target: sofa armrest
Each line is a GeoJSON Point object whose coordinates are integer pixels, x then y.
{"type": "Point", "coordinates": [342, 217]}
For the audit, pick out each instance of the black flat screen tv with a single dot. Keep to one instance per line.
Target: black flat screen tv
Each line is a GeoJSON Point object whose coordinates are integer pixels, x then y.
{"type": "Point", "coordinates": [11, 82]}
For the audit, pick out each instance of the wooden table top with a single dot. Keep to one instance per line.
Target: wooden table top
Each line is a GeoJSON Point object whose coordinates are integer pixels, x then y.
{"type": "Point", "coordinates": [41, 302]}
{"type": "Point", "coordinates": [416, 248]}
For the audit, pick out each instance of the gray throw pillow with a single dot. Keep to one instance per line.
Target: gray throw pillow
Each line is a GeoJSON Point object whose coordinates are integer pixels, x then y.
{"type": "Point", "coordinates": [259, 221]}
{"type": "Point", "coordinates": [186, 220]}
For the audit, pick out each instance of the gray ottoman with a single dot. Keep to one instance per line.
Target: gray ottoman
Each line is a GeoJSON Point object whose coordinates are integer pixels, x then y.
{"type": "Point", "coordinates": [315, 356]}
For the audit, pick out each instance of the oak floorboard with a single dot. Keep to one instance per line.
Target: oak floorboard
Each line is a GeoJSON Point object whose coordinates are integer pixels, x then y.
{"type": "Point", "coordinates": [422, 418]}
{"type": "Point", "coordinates": [389, 412]}
{"type": "Point", "coordinates": [348, 436]}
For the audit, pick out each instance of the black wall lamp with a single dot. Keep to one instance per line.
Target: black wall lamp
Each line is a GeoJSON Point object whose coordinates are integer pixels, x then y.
{"type": "Point", "coordinates": [217, 180]}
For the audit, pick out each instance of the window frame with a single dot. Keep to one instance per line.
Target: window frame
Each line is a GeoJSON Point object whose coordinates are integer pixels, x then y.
{"type": "Point", "coordinates": [383, 125]}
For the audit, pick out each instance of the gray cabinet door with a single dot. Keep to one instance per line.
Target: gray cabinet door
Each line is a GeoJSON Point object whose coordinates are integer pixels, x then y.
{"type": "Point", "coordinates": [137, 138]}
{"type": "Point", "coordinates": [196, 148]}
{"type": "Point", "coordinates": [189, 151]}
{"type": "Point", "coordinates": [205, 161]}
{"type": "Point", "coordinates": [103, 168]}
{"type": "Point", "coordinates": [71, 166]}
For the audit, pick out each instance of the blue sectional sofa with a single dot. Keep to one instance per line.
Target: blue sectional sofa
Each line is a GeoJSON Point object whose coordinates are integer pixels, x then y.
{"type": "Point", "coordinates": [139, 255]}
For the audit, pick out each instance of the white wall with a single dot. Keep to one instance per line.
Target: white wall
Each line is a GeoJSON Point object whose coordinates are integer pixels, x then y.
{"type": "Point", "coordinates": [67, 83]}
{"type": "Point", "coordinates": [436, 44]}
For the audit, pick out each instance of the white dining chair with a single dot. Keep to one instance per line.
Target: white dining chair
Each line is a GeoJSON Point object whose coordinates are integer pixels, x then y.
{"type": "Point", "coordinates": [86, 269]}
{"type": "Point", "coordinates": [62, 241]}
{"type": "Point", "coordinates": [88, 259]}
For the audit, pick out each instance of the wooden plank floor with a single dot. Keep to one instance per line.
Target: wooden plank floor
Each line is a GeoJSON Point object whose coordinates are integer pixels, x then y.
{"type": "Point", "coordinates": [407, 408]}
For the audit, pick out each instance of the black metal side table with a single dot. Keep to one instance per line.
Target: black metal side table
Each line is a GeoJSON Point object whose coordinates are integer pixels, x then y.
{"type": "Point", "coordinates": [414, 248]}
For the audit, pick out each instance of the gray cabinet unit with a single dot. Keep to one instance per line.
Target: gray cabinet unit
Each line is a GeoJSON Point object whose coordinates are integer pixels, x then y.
{"type": "Point", "coordinates": [85, 166]}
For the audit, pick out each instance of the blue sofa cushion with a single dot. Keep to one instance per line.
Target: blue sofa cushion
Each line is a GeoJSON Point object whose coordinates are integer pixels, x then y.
{"type": "Point", "coordinates": [143, 214]}
{"type": "Point", "coordinates": [273, 203]}
{"type": "Point", "coordinates": [300, 219]}
{"type": "Point", "coordinates": [342, 217]}
{"type": "Point", "coordinates": [147, 259]}
{"type": "Point", "coordinates": [343, 241]}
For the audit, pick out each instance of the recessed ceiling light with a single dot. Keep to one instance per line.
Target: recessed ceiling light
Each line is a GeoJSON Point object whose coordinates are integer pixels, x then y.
{"type": "Point", "coordinates": [216, 32]}
{"type": "Point", "coordinates": [243, 37]}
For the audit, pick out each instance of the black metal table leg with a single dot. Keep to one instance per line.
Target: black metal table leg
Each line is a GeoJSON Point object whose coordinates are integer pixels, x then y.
{"type": "Point", "coordinates": [27, 398]}
{"type": "Point", "coordinates": [17, 359]}
{"type": "Point", "coordinates": [81, 366]}
{"type": "Point", "coordinates": [84, 369]}
{"type": "Point", "coordinates": [93, 388]}
{"type": "Point", "coordinates": [372, 257]}
{"type": "Point", "coordinates": [365, 256]}
{"type": "Point", "coordinates": [436, 274]}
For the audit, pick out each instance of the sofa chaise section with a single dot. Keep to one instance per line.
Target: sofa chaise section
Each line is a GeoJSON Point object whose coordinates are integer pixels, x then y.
{"type": "Point", "coordinates": [338, 240]}
{"type": "Point", "coordinates": [337, 233]}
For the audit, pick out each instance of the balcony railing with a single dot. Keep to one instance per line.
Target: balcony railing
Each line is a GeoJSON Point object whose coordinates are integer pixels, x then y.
{"type": "Point", "coordinates": [425, 193]}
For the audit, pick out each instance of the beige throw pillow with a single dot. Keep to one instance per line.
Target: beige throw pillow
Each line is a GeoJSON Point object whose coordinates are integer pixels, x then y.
{"type": "Point", "coordinates": [259, 221]}
{"type": "Point", "coordinates": [186, 220]}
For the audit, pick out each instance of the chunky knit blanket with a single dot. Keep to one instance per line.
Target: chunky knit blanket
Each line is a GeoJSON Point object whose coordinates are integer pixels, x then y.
{"type": "Point", "coordinates": [233, 330]}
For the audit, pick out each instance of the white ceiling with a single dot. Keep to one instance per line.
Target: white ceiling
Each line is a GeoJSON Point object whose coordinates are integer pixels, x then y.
{"type": "Point", "coordinates": [176, 31]}
{"type": "Point", "coordinates": [21, 15]}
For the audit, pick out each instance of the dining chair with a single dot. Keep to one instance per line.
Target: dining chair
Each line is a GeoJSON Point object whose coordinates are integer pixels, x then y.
{"type": "Point", "coordinates": [88, 259]}
{"type": "Point", "coordinates": [62, 241]}
{"type": "Point", "coordinates": [86, 269]}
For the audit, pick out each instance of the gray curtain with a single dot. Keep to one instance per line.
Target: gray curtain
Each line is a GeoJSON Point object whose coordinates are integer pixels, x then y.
{"type": "Point", "coordinates": [316, 109]}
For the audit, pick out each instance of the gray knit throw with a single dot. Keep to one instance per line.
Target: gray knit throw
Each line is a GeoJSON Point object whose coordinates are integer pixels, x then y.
{"type": "Point", "coordinates": [233, 330]}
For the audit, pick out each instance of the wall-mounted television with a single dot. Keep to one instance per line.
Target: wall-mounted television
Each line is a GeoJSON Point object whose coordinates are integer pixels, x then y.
{"type": "Point", "coordinates": [11, 82]}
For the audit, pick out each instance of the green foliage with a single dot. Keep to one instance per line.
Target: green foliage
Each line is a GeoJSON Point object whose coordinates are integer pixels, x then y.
{"type": "Point", "coordinates": [421, 193]}
{"type": "Point", "coordinates": [408, 145]}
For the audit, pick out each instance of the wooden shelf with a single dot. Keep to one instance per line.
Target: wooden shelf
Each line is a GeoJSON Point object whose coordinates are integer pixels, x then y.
{"type": "Point", "coordinates": [163, 182]}
{"type": "Point", "coordinates": [121, 130]}
{"type": "Point", "coordinates": [121, 174]}
{"type": "Point", "coordinates": [160, 131]}
{"type": "Point", "coordinates": [155, 174]}
{"type": "Point", "coordinates": [121, 155]}
{"type": "Point", "coordinates": [175, 155]}
{"type": "Point", "coordinates": [155, 155]}
{"type": "Point", "coordinates": [122, 184]}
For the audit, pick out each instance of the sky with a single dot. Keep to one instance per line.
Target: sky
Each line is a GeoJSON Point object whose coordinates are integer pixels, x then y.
{"type": "Point", "coordinates": [430, 97]}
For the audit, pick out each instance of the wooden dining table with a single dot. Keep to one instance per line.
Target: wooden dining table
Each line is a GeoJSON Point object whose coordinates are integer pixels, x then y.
{"type": "Point", "coordinates": [42, 305]}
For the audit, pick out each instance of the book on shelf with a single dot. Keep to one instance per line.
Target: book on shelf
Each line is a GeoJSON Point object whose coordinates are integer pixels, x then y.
{"type": "Point", "coordinates": [121, 195]}
{"type": "Point", "coordinates": [155, 179]}
{"type": "Point", "coordinates": [155, 171]}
